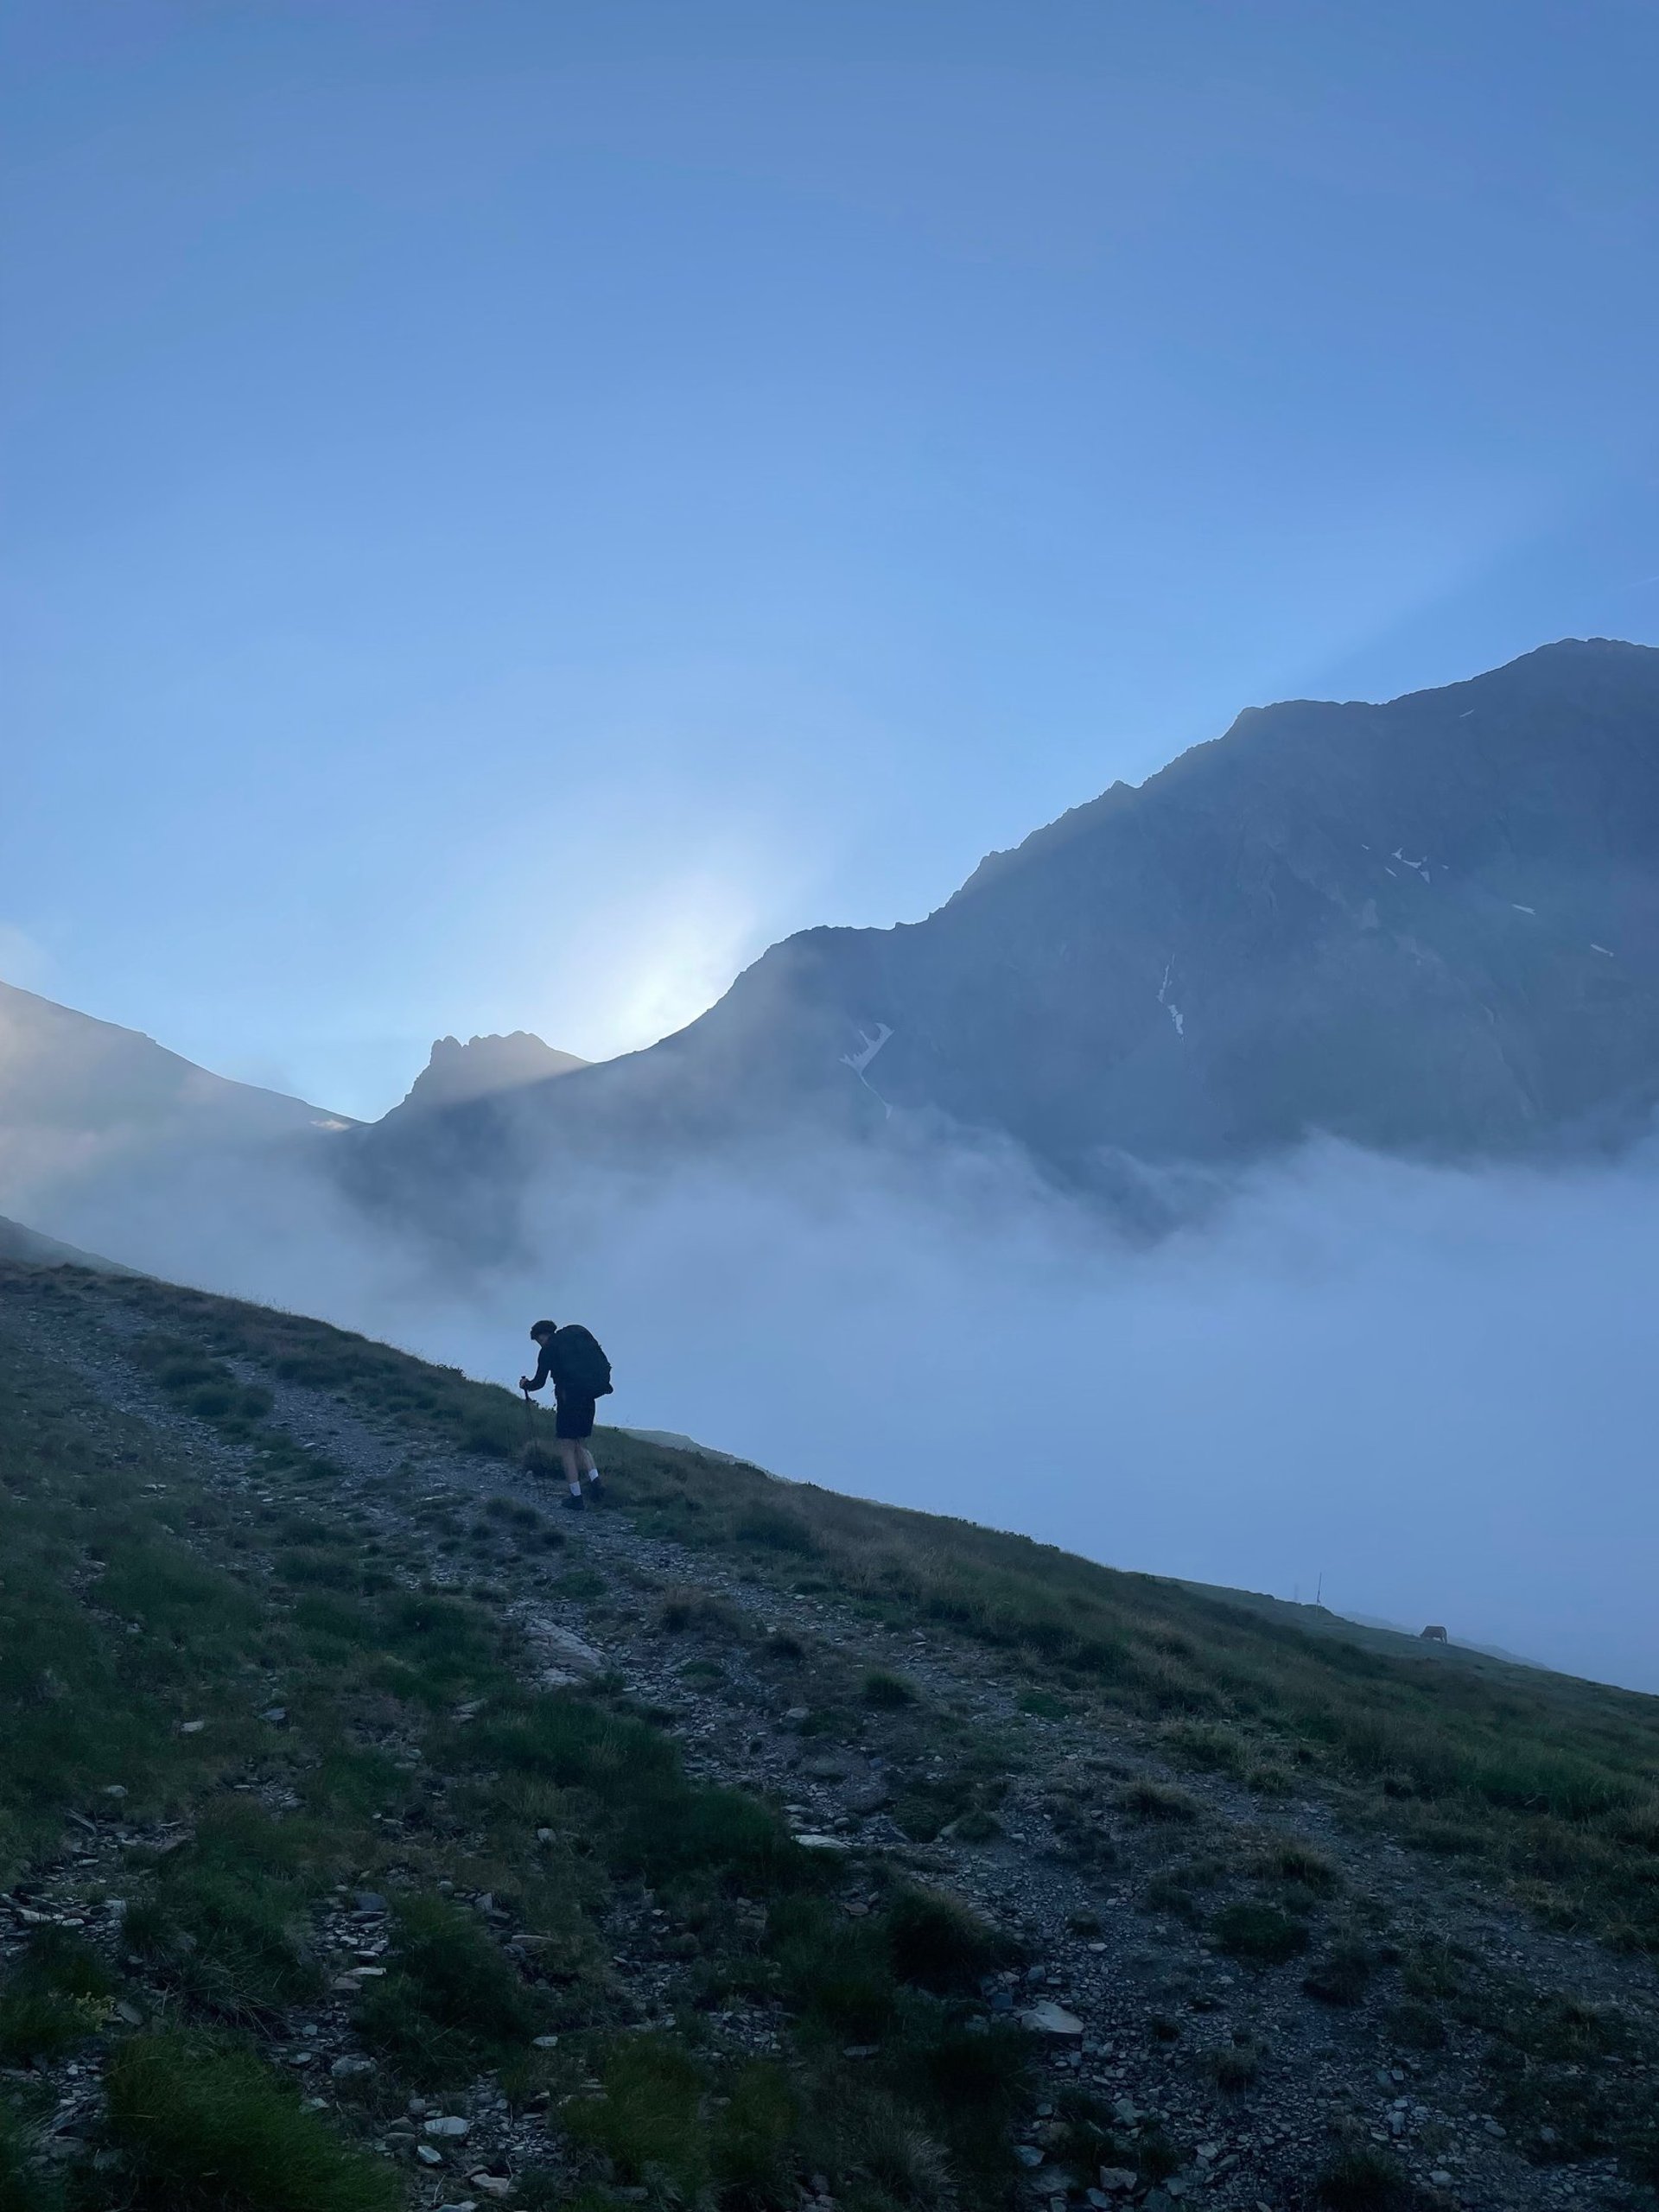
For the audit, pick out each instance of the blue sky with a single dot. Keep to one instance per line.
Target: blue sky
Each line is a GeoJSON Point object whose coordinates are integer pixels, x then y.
{"type": "Point", "coordinates": [508, 508]}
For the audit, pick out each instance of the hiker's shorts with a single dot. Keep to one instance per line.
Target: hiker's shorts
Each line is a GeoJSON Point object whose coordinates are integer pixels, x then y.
{"type": "Point", "coordinates": [574, 1418]}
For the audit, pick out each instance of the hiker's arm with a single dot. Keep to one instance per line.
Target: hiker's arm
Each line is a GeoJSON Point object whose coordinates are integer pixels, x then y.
{"type": "Point", "coordinates": [544, 1369]}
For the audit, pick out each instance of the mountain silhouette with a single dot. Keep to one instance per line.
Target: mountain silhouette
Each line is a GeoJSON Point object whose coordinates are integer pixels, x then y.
{"type": "Point", "coordinates": [81, 1099]}
{"type": "Point", "coordinates": [1430, 926]}
{"type": "Point", "coordinates": [457, 1073]}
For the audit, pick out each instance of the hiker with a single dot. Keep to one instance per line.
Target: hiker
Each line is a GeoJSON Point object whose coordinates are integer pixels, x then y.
{"type": "Point", "coordinates": [580, 1375]}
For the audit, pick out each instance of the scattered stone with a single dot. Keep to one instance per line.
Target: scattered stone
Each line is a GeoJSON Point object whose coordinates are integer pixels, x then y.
{"type": "Point", "coordinates": [1049, 2018]}
{"type": "Point", "coordinates": [191, 1728]}
{"type": "Point", "coordinates": [348, 2069]}
{"type": "Point", "coordinates": [544, 2043]}
{"type": "Point", "coordinates": [451, 2127]}
{"type": "Point", "coordinates": [427, 2156]}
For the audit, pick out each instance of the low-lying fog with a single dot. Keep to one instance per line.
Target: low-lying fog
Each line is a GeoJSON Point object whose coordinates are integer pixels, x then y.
{"type": "Point", "coordinates": [1435, 1389]}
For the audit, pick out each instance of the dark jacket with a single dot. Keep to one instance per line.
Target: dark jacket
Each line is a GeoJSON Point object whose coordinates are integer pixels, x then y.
{"type": "Point", "coordinates": [564, 1348]}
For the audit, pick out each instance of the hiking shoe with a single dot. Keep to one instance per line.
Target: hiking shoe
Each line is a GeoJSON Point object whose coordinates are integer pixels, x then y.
{"type": "Point", "coordinates": [574, 1502]}
{"type": "Point", "coordinates": [597, 1490]}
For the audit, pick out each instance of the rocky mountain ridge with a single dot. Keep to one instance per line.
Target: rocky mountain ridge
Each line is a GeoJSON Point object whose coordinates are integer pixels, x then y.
{"type": "Point", "coordinates": [1429, 927]}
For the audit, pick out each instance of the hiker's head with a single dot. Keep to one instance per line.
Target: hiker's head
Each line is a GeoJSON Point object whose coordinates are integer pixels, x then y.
{"type": "Point", "coordinates": [541, 1331]}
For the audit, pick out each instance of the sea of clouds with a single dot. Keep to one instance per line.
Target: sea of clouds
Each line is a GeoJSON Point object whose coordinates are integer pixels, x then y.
{"type": "Point", "coordinates": [1430, 1393]}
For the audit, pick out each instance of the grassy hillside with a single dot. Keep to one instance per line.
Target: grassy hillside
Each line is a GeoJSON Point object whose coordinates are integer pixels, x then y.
{"type": "Point", "coordinates": [280, 1781]}
{"type": "Point", "coordinates": [1552, 1782]}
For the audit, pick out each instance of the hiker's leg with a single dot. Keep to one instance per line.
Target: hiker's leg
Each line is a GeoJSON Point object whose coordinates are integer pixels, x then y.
{"type": "Point", "coordinates": [586, 1459]}
{"type": "Point", "coordinates": [570, 1455]}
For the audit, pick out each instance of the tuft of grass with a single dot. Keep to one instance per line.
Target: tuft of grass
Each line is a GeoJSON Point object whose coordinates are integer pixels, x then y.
{"type": "Point", "coordinates": [1158, 1801]}
{"type": "Point", "coordinates": [1417, 2027]}
{"type": "Point", "coordinates": [1258, 1933]}
{"type": "Point", "coordinates": [940, 1943]}
{"type": "Point", "coordinates": [56, 1995]}
{"type": "Point", "coordinates": [1342, 1975]}
{"type": "Point", "coordinates": [201, 2128]}
{"type": "Point", "coordinates": [1290, 1861]}
{"type": "Point", "coordinates": [23, 2186]}
{"type": "Point", "coordinates": [451, 2003]}
{"type": "Point", "coordinates": [698, 1610]}
{"type": "Point", "coordinates": [649, 2123]}
{"type": "Point", "coordinates": [639, 1809]}
{"type": "Point", "coordinates": [668, 2122]}
{"type": "Point", "coordinates": [887, 1692]}
{"type": "Point", "coordinates": [1363, 2181]}
{"type": "Point", "coordinates": [769, 1527]}
{"type": "Point", "coordinates": [975, 1826]}
{"type": "Point", "coordinates": [1234, 2068]}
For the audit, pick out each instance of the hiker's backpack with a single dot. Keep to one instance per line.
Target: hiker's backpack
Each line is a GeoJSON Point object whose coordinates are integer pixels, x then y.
{"type": "Point", "coordinates": [579, 1364]}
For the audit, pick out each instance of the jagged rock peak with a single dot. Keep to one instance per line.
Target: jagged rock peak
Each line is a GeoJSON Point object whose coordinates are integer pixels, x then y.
{"type": "Point", "coordinates": [484, 1065]}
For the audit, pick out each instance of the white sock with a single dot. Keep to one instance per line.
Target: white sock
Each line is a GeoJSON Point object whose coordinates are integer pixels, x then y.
{"type": "Point", "coordinates": [575, 1489]}
{"type": "Point", "coordinates": [593, 1474]}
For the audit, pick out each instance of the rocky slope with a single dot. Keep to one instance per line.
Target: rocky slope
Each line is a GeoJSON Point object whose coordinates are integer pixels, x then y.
{"type": "Point", "coordinates": [1240, 1981]}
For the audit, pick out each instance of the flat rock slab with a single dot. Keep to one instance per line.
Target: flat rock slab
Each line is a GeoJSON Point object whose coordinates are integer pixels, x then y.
{"type": "Point", "coordinates": [1050, 2019]}
{"type": "Point", "coordinates": [562, 1655]}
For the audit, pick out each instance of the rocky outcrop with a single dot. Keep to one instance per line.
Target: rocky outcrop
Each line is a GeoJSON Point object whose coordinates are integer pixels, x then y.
{"type": "Point", "coordinates": [484, 1066]}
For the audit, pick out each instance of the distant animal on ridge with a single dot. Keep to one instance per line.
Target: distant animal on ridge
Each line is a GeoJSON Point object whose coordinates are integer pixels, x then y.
{"type": "Point", "coordinates": [1433, 1635]}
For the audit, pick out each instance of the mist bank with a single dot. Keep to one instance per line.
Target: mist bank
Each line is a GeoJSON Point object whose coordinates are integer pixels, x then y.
{"type": "Point", "coordinates": [1432, 1390]}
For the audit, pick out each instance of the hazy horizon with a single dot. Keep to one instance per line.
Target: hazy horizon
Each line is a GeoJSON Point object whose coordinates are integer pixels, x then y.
{"type": "Point", "coordinates": [1428, 1385]}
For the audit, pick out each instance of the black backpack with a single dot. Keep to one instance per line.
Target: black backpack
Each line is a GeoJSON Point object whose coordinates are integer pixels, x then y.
{"type": "Point", "coordinates": [579, 1364]}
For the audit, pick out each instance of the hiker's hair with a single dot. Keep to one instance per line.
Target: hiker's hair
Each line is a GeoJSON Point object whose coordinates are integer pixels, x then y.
{"type": "Point", "coordinates": [539, 1329]}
